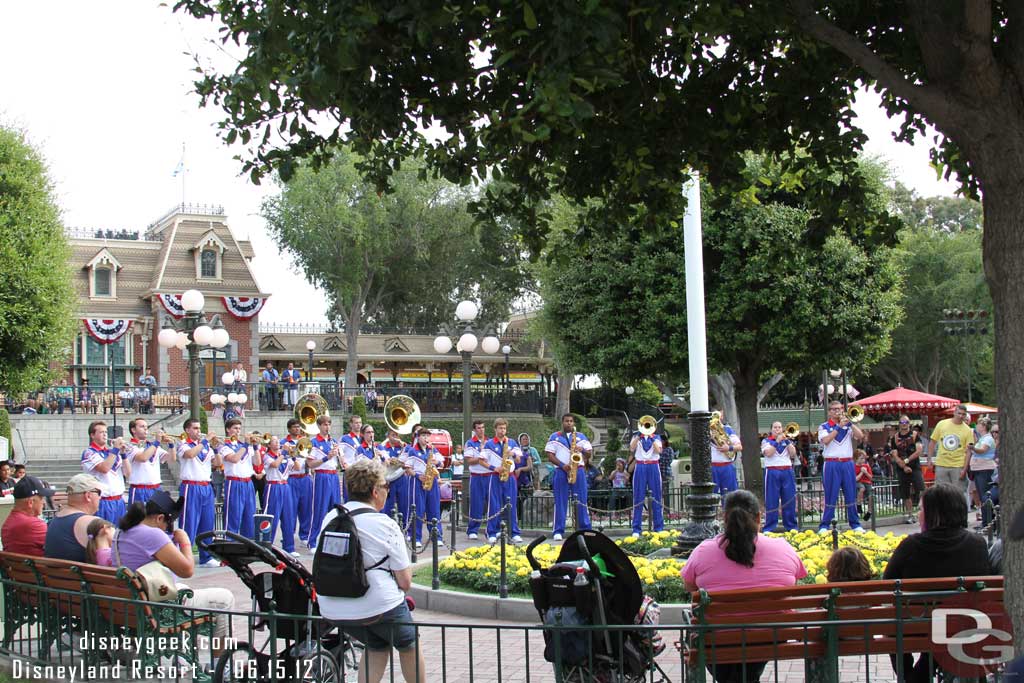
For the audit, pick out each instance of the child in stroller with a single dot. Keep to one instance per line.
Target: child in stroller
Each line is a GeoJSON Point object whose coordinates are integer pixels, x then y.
{"type": "Point", "coordinates": [313, 650]}
{"type": "Point", "coordinates": [593, 583]}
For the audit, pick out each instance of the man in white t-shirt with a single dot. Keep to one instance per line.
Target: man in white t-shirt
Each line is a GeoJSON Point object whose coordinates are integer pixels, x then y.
{"type": "Point", "coordinates": [380, 619]}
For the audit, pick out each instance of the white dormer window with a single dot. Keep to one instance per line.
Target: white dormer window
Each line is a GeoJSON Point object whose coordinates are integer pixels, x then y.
{"type": "Point", "coordinates": [102, 272]}
{"type": "Point", "coordinates": [209, 257]}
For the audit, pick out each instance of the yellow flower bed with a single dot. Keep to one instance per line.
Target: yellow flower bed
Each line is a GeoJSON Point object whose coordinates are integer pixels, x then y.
{"type": "Point", "coordinates": [479, 567]}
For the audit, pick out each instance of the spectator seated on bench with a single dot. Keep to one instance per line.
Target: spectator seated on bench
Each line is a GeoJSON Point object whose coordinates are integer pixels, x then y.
{"type": "Point", "coordinates": [24, 531]}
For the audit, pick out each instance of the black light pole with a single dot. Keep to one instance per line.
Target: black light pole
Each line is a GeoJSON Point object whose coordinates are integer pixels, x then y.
{"type": "Point", "coordinates": [506, 349]}
{"type": "Point", "coordinates": [310, 346]}
{"type": "Point", "coordinates": [966, 324]}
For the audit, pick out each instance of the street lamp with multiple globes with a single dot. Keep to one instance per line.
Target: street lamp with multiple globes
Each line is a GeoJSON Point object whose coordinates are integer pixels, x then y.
{"type": "Point", "coordinates": [194, 333]}
{"type": "Point", "coordinates": [310, 346]}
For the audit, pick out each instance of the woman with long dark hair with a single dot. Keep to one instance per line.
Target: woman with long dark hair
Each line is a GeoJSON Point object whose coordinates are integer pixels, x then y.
{"type": "Point", "coordinates": [741, 557]}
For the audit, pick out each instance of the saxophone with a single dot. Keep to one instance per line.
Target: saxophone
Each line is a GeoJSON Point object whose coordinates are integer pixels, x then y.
{"type": "Point", "coordinates": [575, 459]}
{"type": "Point", "coordinates": [430, 473]}
{"type": "Point", "coordinates": [508, 463]}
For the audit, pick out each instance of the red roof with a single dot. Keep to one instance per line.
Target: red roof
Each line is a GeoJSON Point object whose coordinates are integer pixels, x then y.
{"type": "Point", "coordinates": [901, 400]}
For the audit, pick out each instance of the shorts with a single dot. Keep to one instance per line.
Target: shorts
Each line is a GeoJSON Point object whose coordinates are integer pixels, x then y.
{"type": "Point", "coordinates": [865, 487]}
{"type": "Point", "coordinates": [914, 479]}
{"type": "Point", "coordinates": [392, 629]}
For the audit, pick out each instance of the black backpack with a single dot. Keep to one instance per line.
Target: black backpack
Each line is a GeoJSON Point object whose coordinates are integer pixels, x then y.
{"type": "Point", "coordinates": [338, 570]}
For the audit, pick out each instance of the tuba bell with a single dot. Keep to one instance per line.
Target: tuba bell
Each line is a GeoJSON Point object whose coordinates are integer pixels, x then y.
{"type": "Point", "coordinates": [792, 430]}
{"type": "Point", "coordinates": [401, 414]}
{"type": "Point", "coordinates": [308, 409]}
{"type": "Point", "coordinates": [854, 414]}
{"type": "Point", "coordinates": [647, 425]}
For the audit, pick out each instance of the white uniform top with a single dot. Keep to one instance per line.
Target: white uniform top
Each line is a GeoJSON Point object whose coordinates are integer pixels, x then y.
{"type": "Point", "coordinates": [472, 450]}
{"type": "Point", "coordinates": [416, 459]}
{"type": "Point", "coordinates": [775, 453]}
{"type": "Point", "coordinates": [559, 444]}
{"type": "Point", "coordinates": [350, 444]}
{"type": "Point", "coordinates": [841, 446]}
{"type": "Point", "coordinates": [734, 439]}
{"type": "Point", "coordinates": [197, 468]}
{"type": "Point", "coordinates": [111, 482]}
{"type": "Point", "coordinates": [493, 452]}
{"type": "Point", "coordinates": [301, 469]}
{"type": "Point", "coordinates": [321, 449]}
{"type": "Point", "coordinates": [645, 449]}
{"type": "Point", "coordinates": [279, 473]}
{"type": "Point", "coordinates": [146, 472]}
{"type": "Point", "coordinates": [243, 468]}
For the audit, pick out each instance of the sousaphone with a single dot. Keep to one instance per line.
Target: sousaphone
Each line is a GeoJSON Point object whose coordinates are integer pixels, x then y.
{"type": "Point", "coordinates": [401, 414]}
{"type": "Point", "coordinates": [308, 409]}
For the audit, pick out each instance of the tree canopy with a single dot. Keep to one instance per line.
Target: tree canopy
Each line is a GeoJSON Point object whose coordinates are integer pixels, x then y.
{"type": "Point", "coordinates": [37, 299]}
{"type": "Point", "coordinates": [394, 262]}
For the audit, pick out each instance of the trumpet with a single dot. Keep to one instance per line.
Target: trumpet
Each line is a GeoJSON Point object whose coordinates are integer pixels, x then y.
{"type": "Point", "coordinates": [168, 440]}
{"type": "Point", "coordinates": [265, 439]}
{"type": "Point", "coordinates": [647, 425]}
{"type": "Point", "coordinates": [575, 459]}
{"type": "Point", "coordinates": [215, 441]}
{"type": "Point", "coordinates": [255, 439]}
{"type": "Point", "coordinates": [508, 463]}
{"type": "Point", "coordinates": [792, 430]}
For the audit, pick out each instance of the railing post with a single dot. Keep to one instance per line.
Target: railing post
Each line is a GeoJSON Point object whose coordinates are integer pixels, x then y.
{"type": "Point", "coordinates": [799, 508]}
{"type": "Point", "coordinates": [508, 514]}
{"type": "Point", "coordinates": [835, 535]}
{"type": "Point", "coordinates": [871, 509]}
{"type": "Point", "coordinates": [573, 510]}
{"type": "Point", "coordinates": [453, 518]}
{"type": "Point", "coordinates": [435, 578]}
{"type": "Point", "coordinates": [412, 527]}
{"type": "Point", "coordinates": [650, 511]}
{"type": "Point", "coordinates": [503, 575]}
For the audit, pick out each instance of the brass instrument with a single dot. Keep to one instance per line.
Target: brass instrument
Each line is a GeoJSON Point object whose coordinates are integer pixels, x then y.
{"type": "Point", "coordinates": [168, 440]}
{"type": "Point", "coordinates": [430, 474]}
{"type": "Point", "coordinates": [215, 440]}
{"type": "Point", "coordinates": [308, 410]}
{"type": "Point", "coordinates": [854, 414]}
{"type": "Point", "coordinates": [647, 425]}
{"type": "Point", "coordinates": [508, 463]}
{"type": "Point", "coordinates": [303, 447]}
{"type": "Point", "coordinates": [255, 439]}
{"type": "Point", "coordinates": [401, 414]}
{"type": "Point", "coordinates": [792, 430]}
{"type": "Point", "coordinates": [265, 439]}
{"type": "Point", "coordinates": [718, 434]}
{"type": "Point", "coordinates": [575, 459]}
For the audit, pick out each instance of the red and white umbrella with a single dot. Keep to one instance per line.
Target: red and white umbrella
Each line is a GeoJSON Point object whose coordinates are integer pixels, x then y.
{"type": "Point", "coordinates": [902, 400]}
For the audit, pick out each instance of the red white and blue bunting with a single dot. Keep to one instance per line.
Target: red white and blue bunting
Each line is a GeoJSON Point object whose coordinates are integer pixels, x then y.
{"type": "Point", "coordinates": [244, 307]}
{"type": "Point", "coordinates": [107, 331]}
{"type": "Point", "coordinates": [172, 304]}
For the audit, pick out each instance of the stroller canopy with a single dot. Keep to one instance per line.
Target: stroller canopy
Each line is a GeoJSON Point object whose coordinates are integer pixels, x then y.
{"type": "Point", "coordinates": [629, 594]}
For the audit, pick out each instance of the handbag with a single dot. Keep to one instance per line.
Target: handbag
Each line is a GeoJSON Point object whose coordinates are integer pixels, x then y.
{"type": "Point", "coordinates": [156, 579]}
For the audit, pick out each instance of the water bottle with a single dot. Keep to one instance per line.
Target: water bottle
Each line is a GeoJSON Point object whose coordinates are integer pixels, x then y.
{"type": "Point", "coordinates": [581, 577]}
{"type": "Point", "coordinates": [581, 592]}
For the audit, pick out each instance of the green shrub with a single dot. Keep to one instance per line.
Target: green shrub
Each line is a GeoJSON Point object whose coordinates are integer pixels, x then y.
{"type": "Point", "coordinates": [5, 430]}
{"type": "Point", "coordinates": [359, 407]}
{"type": "Point", "coordinates": [204, 425]}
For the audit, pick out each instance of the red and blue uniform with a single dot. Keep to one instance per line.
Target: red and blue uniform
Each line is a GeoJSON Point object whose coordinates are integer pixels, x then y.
{"type": "Point", "coordinates": [301, 485]}
{"type": "Point", "coordinates": [502, 490]}
{"type": "Point", "coordinates": [480, 479]}
{"type": "Point", "coordinates": [723, 467]}
{"type": "Point", "coordinates": [428, 503]}
{"type": "Point", "coordinates": [145, 476]}
{"type": "Point", "coordinates": [559, 444]}
{"type": "Point", "coordinates": [647, 476]}
{"type": "Point", "coordinates": [326, 486]}
{"type": "Point", "coordinates": [839, 474]}
{"type": "Point", "coordinates": [239, 492]}
{"type": "Point", "coordinates": [279, 501]}
{"type": "Point", "coordinates": [349, 444]}
{"type": "Point", "coordinates": [198, 511]}
{"type": "Point", "coordinates": [779, 485]}
{"type": "Point", "coordinates": [111, 482]}
{"type": "Point", "coordinates": [400, 493]}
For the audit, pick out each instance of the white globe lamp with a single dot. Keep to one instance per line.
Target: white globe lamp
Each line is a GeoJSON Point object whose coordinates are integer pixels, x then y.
{"type": "Point", "coordinates": [506, 349]}
{"type": "Point", "coordinates": [168, 337]}
{"type": "Point", "coordinates": [442, 344]}
{"type": "Point", "coordinates": [220, 338]}
{"type": "Point", "coordinates": [232, 397]}
{"type": "Point", "coordinates": [203, 335]}
{"type": "Point", "coordinates": [227, 378]}
{"type": "Point", "coordinates": [182, 341]}
{"type": "Point", "coordinates": [490, 344]}
{"type": "Point", "coordinates": [242, 398]}
{"type": "Point", "coordinates": [467, 342]}
{"type": "Point", "coordinates": [466, 311]}
{"type": "Point", "coordinates": [193, 300]}
{"type": "Point", "coordinates": [310, 345]}
{"type": "Point", "coordinates": [630, 391]}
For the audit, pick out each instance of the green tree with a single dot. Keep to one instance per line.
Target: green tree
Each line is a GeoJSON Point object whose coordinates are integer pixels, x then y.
{"type": "Point", "coordinates": [767, 311]}
{"type": "Point", "coordinates": [616, 101]}
{"type": "Point", "coordinates": [394, 261]}
{"type": "Point", "coordinates": [37, 299]}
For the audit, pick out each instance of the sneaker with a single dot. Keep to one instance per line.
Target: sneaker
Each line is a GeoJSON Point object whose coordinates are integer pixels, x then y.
{"type": "Point", "coordinates": [823, 530]}
{"type": "Point", "coordinates": [857, 530]}
{"type": "Point", "coordinates": [473, 537]}
{"type": "Point", "coordinates": [635, 535]}
{"type": "Point", "coordinates": [295, 553]}
{"type": "Point", "coordinates": [419, 546]}
{"type": "Point", "coordinates": [517, 539]}
{"type": "Point", "coordinates": [909, 519]}
{"type": "Point", "coordinates": [211, 563]}
{"type": "Point", "coordinates": [556, 537]}
{"type": "Point", "coordinates": [867, 516]}
{"type": "Point", "coordinates": [492, 539]}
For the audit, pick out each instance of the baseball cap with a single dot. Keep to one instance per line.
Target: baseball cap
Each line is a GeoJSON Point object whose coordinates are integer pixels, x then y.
{"type": "Point", "coordinates": [31, 486]}
{"type": "Point", "coordinates": [162, 503]}
{"type": "Point", "coordinates": [83, 483]}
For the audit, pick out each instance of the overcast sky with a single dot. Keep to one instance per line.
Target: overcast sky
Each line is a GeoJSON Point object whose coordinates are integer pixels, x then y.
{"type": "Point", "coordinates": [103, 89]}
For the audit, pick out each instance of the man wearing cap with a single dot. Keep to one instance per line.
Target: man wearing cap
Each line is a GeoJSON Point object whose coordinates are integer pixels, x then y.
{"type": "Point", "coordinates": [145, 456]}
{"type": "Point", "coordinates": [66, 535]}
{"type": "Point", "coordinates": [24, 531]}
{"type": "Point", "coordinates": [106, 462]}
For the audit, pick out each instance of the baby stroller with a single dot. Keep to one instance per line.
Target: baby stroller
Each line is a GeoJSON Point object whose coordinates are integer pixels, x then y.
{"type": "Point", "coordinates": [613, 596]}
{"type": "Point", "coordinates": [313, 650]}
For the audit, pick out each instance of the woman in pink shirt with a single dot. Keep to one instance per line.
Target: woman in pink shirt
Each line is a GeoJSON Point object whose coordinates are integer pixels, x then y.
{"type": "Point", "coordinates": [741, 557]}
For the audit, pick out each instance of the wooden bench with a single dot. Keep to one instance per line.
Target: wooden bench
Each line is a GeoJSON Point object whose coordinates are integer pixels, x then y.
{"type": "Point", "coordinates": [48, 598]}
{"type": "Point", "coordinates": [808, 622]}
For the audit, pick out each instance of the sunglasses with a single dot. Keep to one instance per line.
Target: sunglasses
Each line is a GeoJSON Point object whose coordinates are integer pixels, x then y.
{"type": "Point", "coordinates": [904, 422]}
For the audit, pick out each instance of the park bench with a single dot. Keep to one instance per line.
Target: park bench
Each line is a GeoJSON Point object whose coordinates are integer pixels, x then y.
{"type": "Point", "coordinates": [809, 622]}
{"type": "Point", "coordinates": [48, 598]}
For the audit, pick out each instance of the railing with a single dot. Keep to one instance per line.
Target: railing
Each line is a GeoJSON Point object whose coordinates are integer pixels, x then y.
{"type": "Point", "coordinates": [261, 644]}
{"type": "Point", "coordinates": [327, 328]}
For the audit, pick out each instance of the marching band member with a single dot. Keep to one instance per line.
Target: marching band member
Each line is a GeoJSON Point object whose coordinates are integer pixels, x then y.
{"type": "Point", "coordinates": [279, 503]}
{"type": "Point", "coordinates": [259, 476]}
{"type": "Point", "coordinates": [349, 445]}
{"type": "Point", "coordinates": [500, 490]}
{"type": "Point", "coordinates": [197, 513]}
{"type": "Point", "coordinates": [723, 462]}
{"type": "Point", "coordinates": [779, 481]}
{"type": "Point", "coordinates": [479, 479]}
{"type": "Point", "coordinates": [145, 458]}
{"type": "Point", "coordinates": [368, 448]}
{"type": "Point", "coordinates": [646, 453]}
{"type": "Point", "coordinates": [239, 493]}
{"type": "Point", "coordinates": [299, 480]}
{"type": "Point", "coordinates": [428, 502]}
{"type": "Point", "coordinates": [326, 487]}
{"type": "Point", "coordinates": [106, 463]}
{"type": "Point", "coordinates": [400, 493]}
{"type": "Point", "coordinates": [836, 437]}
{"type": "Point", "coordinates": [559, 451]}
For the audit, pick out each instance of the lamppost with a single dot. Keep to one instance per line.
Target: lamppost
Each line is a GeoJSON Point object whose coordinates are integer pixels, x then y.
{"type": "Point", "coordinates": [466, 313]}
{"type": "Point", "coordinates": [965, 323]}
{"type": "Point", "coordinates": [310, 345]}
{"type": "Point", "coordinates": [196, 334]}
{"type": "Point", "coordinates": [506, 349]}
